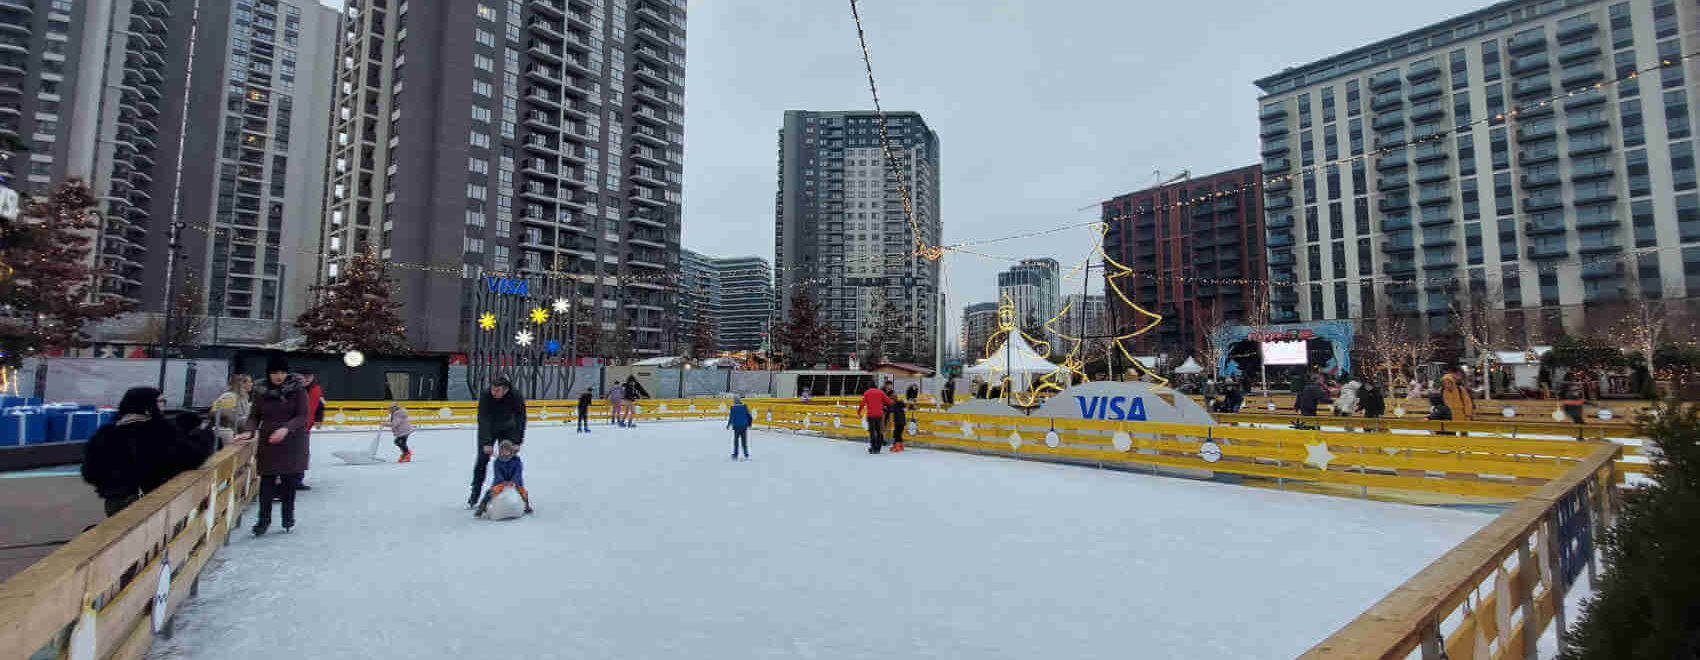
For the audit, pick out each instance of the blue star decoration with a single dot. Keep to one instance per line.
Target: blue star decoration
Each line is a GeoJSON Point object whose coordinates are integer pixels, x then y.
{"type": "Point", "coordinates": [553, 346]}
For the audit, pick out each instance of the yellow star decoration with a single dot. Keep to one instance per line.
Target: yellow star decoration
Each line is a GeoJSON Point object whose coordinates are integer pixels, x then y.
{"type": "Point", "coordinates": [539, 315]}
{"type": "Point", "coordinates": [487, 321]}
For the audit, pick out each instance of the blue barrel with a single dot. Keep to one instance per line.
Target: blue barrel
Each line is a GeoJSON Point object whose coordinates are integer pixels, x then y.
{"type": "Point", "coordinates": [57, 425]}
{"type": "Point", "coordinates": [82, 425]}
{"type": "Point", "coordinates": [22, 425]}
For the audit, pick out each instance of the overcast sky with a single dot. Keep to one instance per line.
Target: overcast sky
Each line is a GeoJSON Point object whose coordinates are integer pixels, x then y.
{"type": "Point", "coordinates": [1041, 107]}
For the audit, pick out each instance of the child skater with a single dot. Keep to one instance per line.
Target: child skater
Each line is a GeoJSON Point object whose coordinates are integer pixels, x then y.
{"type": "Point", "coordinates": [740, 421]}
{"type": "Point", "coordinates": [401, 427]}
{"type": "Point", "coordinates": [584, 411]}
{"type": "Point", "coordinates": [509, 472]}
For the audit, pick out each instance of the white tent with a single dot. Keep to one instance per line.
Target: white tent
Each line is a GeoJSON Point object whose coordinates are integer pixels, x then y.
{"type": "Point", "coordinates": [1023, 362]}
{"type": "Point", "coordinates": [1189, 367]}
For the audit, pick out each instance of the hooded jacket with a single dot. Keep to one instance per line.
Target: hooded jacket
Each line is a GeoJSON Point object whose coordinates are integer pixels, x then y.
{"type": "Point", "coordinates": [280, 407]}
{"type": "Point", "coordinates": [739, 417]}
{"type": "Point", "coordinates": [139, 452]}
{"type": "Point", "coordinates": [501, 419]}
{"type": "Point", "coordinates": [1457, 397]}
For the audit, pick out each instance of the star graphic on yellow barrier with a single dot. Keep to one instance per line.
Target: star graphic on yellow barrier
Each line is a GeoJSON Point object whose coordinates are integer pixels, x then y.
{"type": "Point", "coordinates": [539, 315]}
{"type": "Point", "coordinates": [487, 321]}
{"type": "Point", "coordinates": [1319, 455]}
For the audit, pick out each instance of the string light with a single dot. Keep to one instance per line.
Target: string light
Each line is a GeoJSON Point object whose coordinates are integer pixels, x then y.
{"type": "Point", "coordinates": [928, 252]}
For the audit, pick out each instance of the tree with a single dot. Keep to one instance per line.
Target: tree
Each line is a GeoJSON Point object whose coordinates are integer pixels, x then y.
{"type": "Point", "coordinates": [355, 311]}
{"type": "Point", "coordinates": [588, 334]}
{"type": "Point", "coordinates": [703, 335]}
{"type": "Point", "coordinates": [188, 318]}
{"type": "Point", "coordinates": [1384, 346]}
{"type": "Point", "coordinates": [805, 334]}
{"type": "Point", "coordinates": [44, 278]}
{"type": "Point", "coordinates": [1641, 331]}
{"type": "Point", "coordinates": [1647, 602]}
{"type": "Point", "coordinates": [619, 347]}
{"type": "Point", "coordinates": [897, 343]}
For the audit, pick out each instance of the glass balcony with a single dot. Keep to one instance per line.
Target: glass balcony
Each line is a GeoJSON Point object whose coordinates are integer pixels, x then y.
{"type": "Point", "coordinates": [1400, 266]}
{"type": "Point", "coordinates": [1280, 239]}
{"type": "Point", "coordinates": [1427, 110]}
{"type": "Point", "coordinates": [1385, 80]}
{"type": "Point", "coordinates": [1594, 217]}
{"type": "Point", "coordinates": [1425, 90]}
{"type": "Point", "coordinates": [1550, 200]}
{"type": "Point", "coordinates": [1277, 165]}
{"type": "Point", "coordinates": [1605, 242]}
{"type": "Point", "coordinates": [1440, 237]}
{"type": "Point", "coordinates": [1422, 70]}
{"type": "Point", "coordinates": [1577, 25]}
{"type": "Point", "coordinates": [1528, 63]}
{"type": "Point", "coordinates": [1278, 202]}
{"type": "Point", "coordinates": [1539, 86]}
{"type": "Point", "coordinates": [1527, 40]}
{"type": "Point", "coordinates": [1393, 202]}
{"type": "Point", "coordinates": [1582, 74]}
{"type": "Point", "coordinates": [1275, 148]}
{"type": "Point", "coordinates": [1276, 129]}
{"type": "Point", "coordinates": [1273, 111]}
{"type": "Point", "coordinates": [1548, 251]}
{"type": "Point", "coordinates": [1545, 177]}
{"type": "Point", "coordinates": [1392, 223]}
{"type": "Point", "coordinates": [1398, 242]}
{"type": "Point", "coordinates": [1429, 151]}
{"type": "Point", "coordinates": [1386, 101]}
{"type": "Point", "coordinates": [1582, 121]}
{"type": "Point", "coordinates": [1578, 51]}
{"type": "Point", "coordinates": [1393, 159]}
{"type": "Point", "coordinates": [1279, 221]}
{"type": "Point", "coordinates": [1591, 193]}
{"type": "Point", "coordinates": [1601, 270]}
{"type": "Point", "coordinates": [1545, 223]}
{"type": "Point", "coordinates": [1388, 120]}
{"type": "Point", "coordinates": [1392, 181]}
{"type": "Point", "coordinates": [1277, 185]}
{"type": "Point", "coordinates": [1536, 130]}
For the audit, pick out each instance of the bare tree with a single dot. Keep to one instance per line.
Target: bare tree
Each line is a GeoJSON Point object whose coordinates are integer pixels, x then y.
{"type": "Point", "coordinates": [1480, 327]}
{"type": "Point", "coordinates": [1384, 346]}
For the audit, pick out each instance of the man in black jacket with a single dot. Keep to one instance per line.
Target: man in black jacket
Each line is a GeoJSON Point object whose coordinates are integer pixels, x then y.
{"type": "Point", "coordinates": [501, 416]}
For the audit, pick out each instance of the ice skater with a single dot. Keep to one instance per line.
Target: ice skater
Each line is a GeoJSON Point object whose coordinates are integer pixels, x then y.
{"type": "Point", "coordinates": [899, 418]}
{"type": "Point", "coordinates": [510, 472]}
{"type": "Point", "coordinates": [399, 425]}
{"type": "Point", "coordinates": [874, 401]}
{"type": "Point", "coordinates": [584, 411]}
{"type": "Point", "coordinates": [739, 421]}
{"type": "Point", "coordinates": [633, 391]}
{"type": "Point", "coordinates": [279, 420]}
{"type": "Point", "coordinates": [501, 416]}
{"type": "Point", "coordinates": [616, 404]}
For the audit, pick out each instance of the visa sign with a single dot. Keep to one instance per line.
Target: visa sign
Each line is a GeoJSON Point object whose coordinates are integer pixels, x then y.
{"type": "Point", "coordinates": [1112, 407]}
{"type": "Point", "coordinates": [507, 285]}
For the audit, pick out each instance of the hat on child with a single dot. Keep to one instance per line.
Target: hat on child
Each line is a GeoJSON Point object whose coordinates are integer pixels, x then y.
{"type": "Point", "coordinates": [508, 445]}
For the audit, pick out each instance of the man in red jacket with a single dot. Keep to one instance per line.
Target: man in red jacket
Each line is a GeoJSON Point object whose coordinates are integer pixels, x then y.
{"type": "Point", "coordinates": [874, 402]}
{"type": "Point", "coordinates": [315, 413]}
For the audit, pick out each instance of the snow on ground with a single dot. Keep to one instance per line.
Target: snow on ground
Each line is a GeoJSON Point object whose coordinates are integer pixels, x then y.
{"type": "Point", "coordinates": [650, 543]}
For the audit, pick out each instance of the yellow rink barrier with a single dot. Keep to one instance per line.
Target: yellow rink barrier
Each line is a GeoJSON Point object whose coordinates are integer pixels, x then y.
{"type": "Point", "coordinates": [94, 597]}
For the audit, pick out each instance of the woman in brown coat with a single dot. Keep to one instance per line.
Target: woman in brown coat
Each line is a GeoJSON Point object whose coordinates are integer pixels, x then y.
{"type": "Point", "coordinates": [278, 418]}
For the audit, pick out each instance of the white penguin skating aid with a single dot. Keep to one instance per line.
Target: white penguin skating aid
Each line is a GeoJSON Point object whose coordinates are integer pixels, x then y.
{"type": "Point", "coordinates": [368, 457]}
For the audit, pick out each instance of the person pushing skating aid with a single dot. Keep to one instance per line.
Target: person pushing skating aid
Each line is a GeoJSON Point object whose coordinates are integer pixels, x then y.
{"type": "Point", "coordinates": [401, 427]}
{"type": "Point", "coordinates": [501, 416]}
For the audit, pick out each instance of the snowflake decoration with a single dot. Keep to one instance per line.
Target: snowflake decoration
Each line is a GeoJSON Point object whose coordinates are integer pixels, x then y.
{"type": "Point", "coordinates": [561, 306]}
{"type": "Point", "coordinates": [523, 338]}
{"type": "Point", "coordinates": [539, 315]}
{"type": "Point", "coordinates": [487, 321]}
{"type": "Point", "coordinates": [553, 346]}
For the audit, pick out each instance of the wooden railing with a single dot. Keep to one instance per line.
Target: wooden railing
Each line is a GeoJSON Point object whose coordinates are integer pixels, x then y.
{"type": "Point", "coordinates": [1493, 595]}
{"type": "Point", "coordinates": [95, 596]}
{"type": "Point", "coordinates": [427, 414]}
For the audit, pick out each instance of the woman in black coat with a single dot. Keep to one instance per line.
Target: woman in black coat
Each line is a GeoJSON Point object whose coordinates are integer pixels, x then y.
{"type": "Point", "coordinates": [278, 418]}
{"type": "Point", "coordinates": [138, 452]}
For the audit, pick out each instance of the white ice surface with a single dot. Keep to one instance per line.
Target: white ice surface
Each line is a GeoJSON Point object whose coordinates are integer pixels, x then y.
{"type": "Point", "coordinates": [650, 543]}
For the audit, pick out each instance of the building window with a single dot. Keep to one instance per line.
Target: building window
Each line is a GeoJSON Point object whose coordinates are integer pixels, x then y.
{"type": "Point", "coordinates": [1682, 165]}
{"type": "Point", "coordinates": [483, 63]}
{"type": "Point", "coordinates": [1670, 63]}
{"type": "Point", "coordinates": [1622, 30]}
{"type": "Point", "coordinates": [1460, 69]}
{"type": "Point", "coordinates": [481, 88]}
{"type": "Point", "coordinates": [1676, 114]}
{"type": "Point", "coordinates": [1633, 134]}
{"type": "Point", "coordinates": [486, 13]}
{"type": "Point", "coordinates": [479, 140]}
{"type": "Point", "coordinates": [1490, 62]}
{"type": "Point", "coordinates": [477, 166]}
{"type": "Point", "coordinates": [480, 114]}
{"type": "Point", "coordinates": [1646, 233]}
{"type": "Point", "coordinates": [485, 38]}
{"type": "Point", "coordinates": [1354, 106]}
{"type": "Point", "coordinates": [1627, 85]}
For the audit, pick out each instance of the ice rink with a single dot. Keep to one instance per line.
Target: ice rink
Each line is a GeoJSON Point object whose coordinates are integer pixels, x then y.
{"type": "Point", "coordinates": [650, 543]}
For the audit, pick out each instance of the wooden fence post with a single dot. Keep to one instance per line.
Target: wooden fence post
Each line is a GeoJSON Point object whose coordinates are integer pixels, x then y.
{"type": "Point", "coordinates": [1556, 570]}
{"type": "Point", "coordinates": [1530, 574]}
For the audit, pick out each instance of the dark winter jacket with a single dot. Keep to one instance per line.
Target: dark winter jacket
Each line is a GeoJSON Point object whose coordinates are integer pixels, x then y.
{"type": "Point", "coordinates": [897, 411]}
{"type": "Point", "coordinates": [501, 419]}
{"type": "Point", "coordinates": [912, 393]}
{"type": "Point", "coordinates": [949, 395]}
{"type": "Point", "coordinates": [510, 469]}
{"type": "Point", "coordinates": [740, 418]}
{"type": "Point", "coordinates": [281, 407]}
{"type": "Point", "coordinates": [633, 390]}
{"type": "Point", "coordinates": [1373, 400]}
{"type": "Point", "coordinates": [584, 401]}
{"type": "Point", "coordinates": [1439, 410]}
{"type": "Point", "coordinates": [136, 455]}
{"type": "Point", "coordinates": [1312, 396]}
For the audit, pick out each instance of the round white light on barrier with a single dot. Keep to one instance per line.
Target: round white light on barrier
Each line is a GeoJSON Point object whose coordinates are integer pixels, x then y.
{"type": "Point", "coordinates": [1014, 440]}
{"type": "Point", "coordinates": [445, 413]}
{"type": "Point", "coordinates": [1053, 440]}
{"type": "Point", "coordinates": [1605, 413]}
{"type": "Point", "coordinates": [1209, 451]}
{"type": "Point", "coordinates": [1558, 415]}
{"type": "Point", "coordinates": [1122, 441]}
{"type": "Point", "coordinates": [1508, 411]}
{"type": "Point", "coordinates": [353, 359]}
{"type": "Point", "coordinates": [1399, 411]}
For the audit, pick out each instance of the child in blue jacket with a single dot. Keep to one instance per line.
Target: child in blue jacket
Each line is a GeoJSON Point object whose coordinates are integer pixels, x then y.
{"type": "Point", "coordinates": [739, 421]}
{"type": "Point", "coordinates": [510, 471]}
